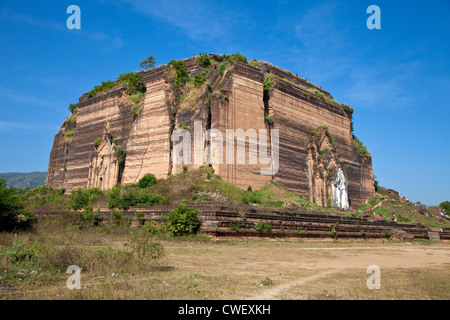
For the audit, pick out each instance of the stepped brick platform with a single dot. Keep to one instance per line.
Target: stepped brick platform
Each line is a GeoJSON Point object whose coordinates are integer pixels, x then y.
{"type": "Point", "coordinates": [227, 222]}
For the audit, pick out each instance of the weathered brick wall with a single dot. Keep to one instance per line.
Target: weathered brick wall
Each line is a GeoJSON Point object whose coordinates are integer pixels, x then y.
{"type": "Point", "coordinates": [236, 104]}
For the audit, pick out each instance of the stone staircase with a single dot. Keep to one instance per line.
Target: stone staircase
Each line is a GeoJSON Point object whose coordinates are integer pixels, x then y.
{"type": "Point", "coordinates": [226, 222]}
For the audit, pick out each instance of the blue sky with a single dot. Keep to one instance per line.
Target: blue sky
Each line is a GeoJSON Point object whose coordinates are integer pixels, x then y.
{"type": "Point", "coordinates": [397, 79]}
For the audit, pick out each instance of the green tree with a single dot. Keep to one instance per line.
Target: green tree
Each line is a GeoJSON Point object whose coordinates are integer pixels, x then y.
{"type": "Point", "coordinates": [147, 181]}
{"type": "Point", "coordinates": [148, 63]}
{"type": "Point", "coordinates": [183, 220]}
{"type": "Point", "coordinates": [13, 215]}
{"type": "Point", "coordinates": [445, 205]}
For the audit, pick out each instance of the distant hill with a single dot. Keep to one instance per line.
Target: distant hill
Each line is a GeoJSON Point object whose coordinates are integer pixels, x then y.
{"type": "Point", "coordinates": [24, 180]}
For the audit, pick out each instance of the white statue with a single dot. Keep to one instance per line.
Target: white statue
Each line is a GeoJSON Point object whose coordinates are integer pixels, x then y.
{"type": "Point", "coordinates": [340, 190]}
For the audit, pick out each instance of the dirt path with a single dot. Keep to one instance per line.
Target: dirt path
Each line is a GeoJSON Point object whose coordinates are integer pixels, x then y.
{"type": "Point", "coordinates": [333, 260]}
{"type": "Point", "coordinates": [272, 293]}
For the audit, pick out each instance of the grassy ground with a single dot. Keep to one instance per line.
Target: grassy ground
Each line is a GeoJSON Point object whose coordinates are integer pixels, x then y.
{"type": "Point", "coordinates": [118, 265]}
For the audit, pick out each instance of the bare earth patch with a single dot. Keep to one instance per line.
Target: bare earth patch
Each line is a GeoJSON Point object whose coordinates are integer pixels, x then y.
{"type": "Point", "coordinates": [263, 270]}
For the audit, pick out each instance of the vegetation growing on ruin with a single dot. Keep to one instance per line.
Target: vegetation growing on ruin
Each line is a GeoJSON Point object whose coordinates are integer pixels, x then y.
{"type": "Point", "coordinates": [361, 148]}
{"type": "Point", "coordinates": [204, 61]}
{"type": "Point", "coordinates": [347, 108]}
{"type": "Point", "coordinates": [138, 103]}
{"type": "Point", "coordinates": [148, 63]}
{"type": "Point", "coordinates": [97, 142]}
{"type": "Point", "coordinates": [269, 80]}
{"type": "Point", "coordinates": [222, 68]}
{"type": "Point", "coordinates": [105, 86]}
{"type": "Point", "coordinates": [199, 80]}
{"type": "Point", "coordinates": [69, 133]}
{"type": "Point", "coordinates": [131, 79]}
{"type": "Point", "coordinates": [134, 82]}
{"type": "Point", "coordinates": [181, 74]}
{"type": "Point", "coordinates": [317, 92]}
{"type": "Point", "coordinates": [72, 107]}
{"type": "Point", "coordinates": [233, 58]}
{"type": "Point", "coordinates": [135, 110]}
{"type": "Point", "coordinates": [254, 63]}
{"type": "Point", "coordinates": [269, 119]}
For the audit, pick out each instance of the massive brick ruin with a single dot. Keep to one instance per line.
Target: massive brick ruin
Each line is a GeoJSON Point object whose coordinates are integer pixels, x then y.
{"type": "Point", "coordinates": [315, 133]}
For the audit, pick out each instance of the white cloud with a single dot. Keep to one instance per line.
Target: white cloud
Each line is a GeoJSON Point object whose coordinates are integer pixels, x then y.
{"type": "Point", "coordinates": [20, 97]}
{"type": "Point", "coordinates": [14, 125]}
{"type": "Point", "coordinates": [114, 42]}
{"type": "Point", "coordinates": [199, 20]}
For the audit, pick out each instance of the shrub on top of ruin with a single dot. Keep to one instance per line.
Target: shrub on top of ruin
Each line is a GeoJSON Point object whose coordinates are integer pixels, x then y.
{"type": "Point", "coordinates": [181, 73]}
{"type": "Point", "coordinates": [183, 220]}
{"type": "Point", "coordinates": [134, 81]}
{"type": "Point", "coordinates": [105, 86]}
{"type": "Point", "coordinates": [314, 133]}
{"type": "Point", "coordinates": [317, 92]}
{"type": "Point", "coordinates": [254, 63]}
{"type": "Point", "coordinates": [147, 181]}
{"type": "Point", "coordinates": [361, 148]}
{"type": "Point", "coordinates": [232, 58]}
{"type": "Point", "coordinates": [347, 108]}
{"type": "Point", "coordinates": [72, 107]}
{"type": "Point", "coordinates": [148, 63]}
{"type": "Point", "coordinates": [204, 61]}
